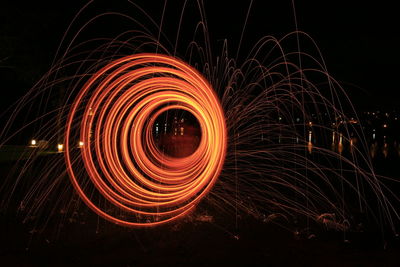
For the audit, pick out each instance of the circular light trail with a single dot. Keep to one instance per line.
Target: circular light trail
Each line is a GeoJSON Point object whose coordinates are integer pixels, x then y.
{"type": "Point", "coordinates": [119, 172]}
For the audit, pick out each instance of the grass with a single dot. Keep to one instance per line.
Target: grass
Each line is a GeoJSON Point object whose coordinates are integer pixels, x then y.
{"type": "Point", "coordinates": [15, 153]}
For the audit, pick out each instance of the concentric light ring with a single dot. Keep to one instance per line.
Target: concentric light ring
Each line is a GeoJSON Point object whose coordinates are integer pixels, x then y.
{"type": "Point", "coordinates": [114, 114]}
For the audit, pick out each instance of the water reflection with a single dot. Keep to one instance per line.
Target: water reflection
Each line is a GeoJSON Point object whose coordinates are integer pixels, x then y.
{"type": "Point", "coordinates": [309, 144]}
{"type": "Point", "coordinates": [376, 133]}
{"type": "Point", "coordinates": [340, 145]}
{"type": "Point", "coordinates": [385, 148]}
{"type": "Point", "coordinates": [374, 149]}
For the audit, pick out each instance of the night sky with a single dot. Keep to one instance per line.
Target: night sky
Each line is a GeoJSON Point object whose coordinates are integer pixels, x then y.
{"type": "Point", "coordinates": [357, 38]}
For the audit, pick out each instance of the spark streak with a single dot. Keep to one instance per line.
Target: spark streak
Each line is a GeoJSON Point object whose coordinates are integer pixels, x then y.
{"type": "Point", "coordinates": [120, 104]}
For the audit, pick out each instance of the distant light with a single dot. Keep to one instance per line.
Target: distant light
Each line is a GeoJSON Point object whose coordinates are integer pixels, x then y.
{"type": "Point", "coordinates": [385, 125]}
{"type": "Point", "coordinates": [60, 147]}
{"type": "Point", "coordinates": [80, 144]}
{"type": "Point", "coordinates": [33, 142]}
{"type": "Point", "coordinates": [310, 123]}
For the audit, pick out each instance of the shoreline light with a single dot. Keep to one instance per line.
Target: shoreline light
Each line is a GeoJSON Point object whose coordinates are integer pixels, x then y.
{"type": "Point", "coordinates": [60, 147]}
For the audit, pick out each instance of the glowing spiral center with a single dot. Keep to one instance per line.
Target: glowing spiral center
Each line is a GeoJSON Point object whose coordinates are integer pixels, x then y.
{"type": "Point", "coordinates": [119, 172]}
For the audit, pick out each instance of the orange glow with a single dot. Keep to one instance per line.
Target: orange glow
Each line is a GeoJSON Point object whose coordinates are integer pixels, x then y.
{"type": "Point", "coordinates": [309, 144]}
{"type": "Point", "coordinates": [60, 147]}
{"type": "Point", "coordinates": [340, 144]}
{"type": "Point", "coordinates": [120, 104]}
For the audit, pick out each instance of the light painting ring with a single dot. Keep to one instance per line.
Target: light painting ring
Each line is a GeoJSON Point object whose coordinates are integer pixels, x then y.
{"type": "Point", "coordinates": [113, 115]}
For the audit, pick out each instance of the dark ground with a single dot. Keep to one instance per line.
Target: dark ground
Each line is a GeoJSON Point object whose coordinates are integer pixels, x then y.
{"type": "Point", "coordinates": [192, 244]}
{"type": "Point", "coordinates": [83, 239]}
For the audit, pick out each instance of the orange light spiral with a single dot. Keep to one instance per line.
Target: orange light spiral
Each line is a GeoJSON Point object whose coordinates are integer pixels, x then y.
{"type": "Point", "coordinates": [114, 114]}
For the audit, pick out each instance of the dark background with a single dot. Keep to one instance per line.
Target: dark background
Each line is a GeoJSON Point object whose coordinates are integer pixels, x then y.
{"type": "Point", "coordinates": [359, 43]}
{"type": "Point", "coordinates": [357, 38]}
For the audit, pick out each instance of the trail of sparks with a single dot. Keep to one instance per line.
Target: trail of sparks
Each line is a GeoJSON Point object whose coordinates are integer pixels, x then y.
{"type": "Point", "coordinates": [292, 152]}
{"type": "Point", "coordinates": [122, 161]}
